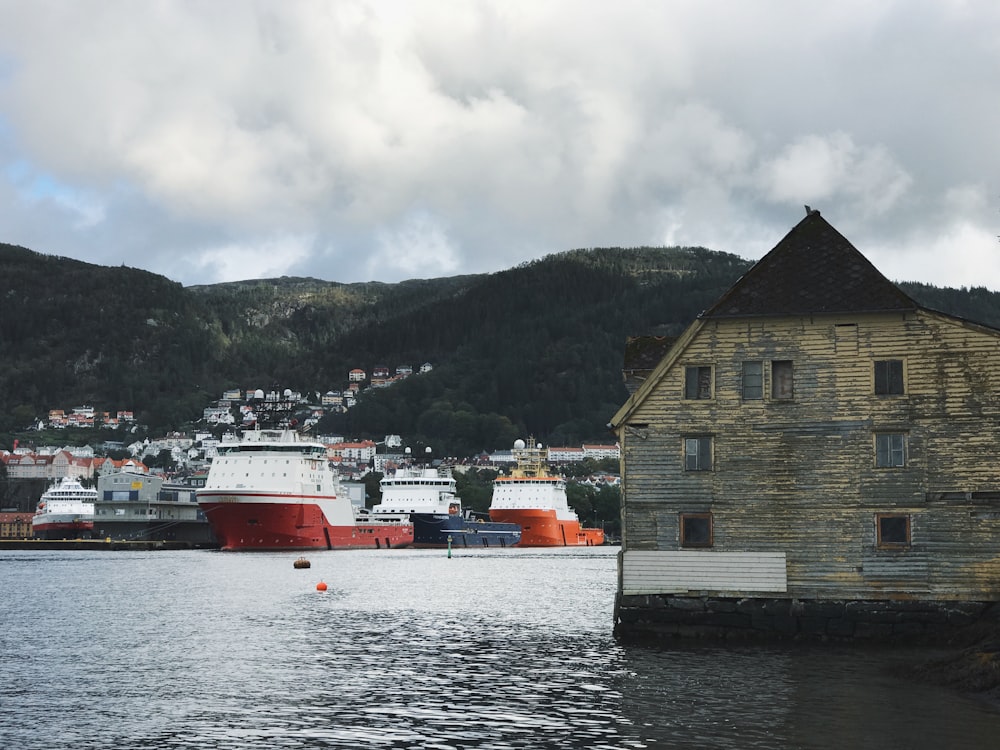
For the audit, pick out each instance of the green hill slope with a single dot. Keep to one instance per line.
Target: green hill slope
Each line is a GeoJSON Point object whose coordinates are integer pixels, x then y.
{"type": "Point", "coordinates": [536, 349]}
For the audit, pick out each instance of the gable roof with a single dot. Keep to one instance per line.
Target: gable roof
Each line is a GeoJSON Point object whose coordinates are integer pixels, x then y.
{"type": "Point", "coordinates": [814, 269]}
{"type": "Point", "coordinates": [642, 355]}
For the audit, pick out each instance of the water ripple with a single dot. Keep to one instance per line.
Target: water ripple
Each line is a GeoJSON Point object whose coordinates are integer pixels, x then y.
{"type": "Point", "coordinates": [410, 649]}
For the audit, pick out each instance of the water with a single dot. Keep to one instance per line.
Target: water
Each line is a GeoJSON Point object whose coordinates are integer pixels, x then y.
{"type": "Point", "coordinates": [409, 649]}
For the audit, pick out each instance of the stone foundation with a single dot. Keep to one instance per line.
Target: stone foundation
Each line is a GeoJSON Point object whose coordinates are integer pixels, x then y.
{"type": "Point", "coordinates": [660, 616]}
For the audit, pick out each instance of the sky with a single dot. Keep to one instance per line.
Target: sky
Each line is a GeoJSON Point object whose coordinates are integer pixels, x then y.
{"type": "Point", "coordinates": [384, 140]}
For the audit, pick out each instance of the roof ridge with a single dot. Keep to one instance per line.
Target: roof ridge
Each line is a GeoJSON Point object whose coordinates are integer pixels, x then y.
{"type": "Point", "coordinates": [813, 269]}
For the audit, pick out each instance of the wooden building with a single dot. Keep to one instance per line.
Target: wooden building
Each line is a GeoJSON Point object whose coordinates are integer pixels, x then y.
{"type": "Point", "coordinates": [815, 456]}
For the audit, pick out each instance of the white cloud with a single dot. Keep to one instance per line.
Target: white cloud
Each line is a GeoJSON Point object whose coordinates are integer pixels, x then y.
{"type": "Point", "coordinates": [958, 255]}
{"type": "Point", "coordinates": [418, 248]}
{"type": "Point", "coordinates": [260, 259]}
{"type": "Point", "coordinates": [817, 168]}
{"type": "Point", "coordinates": [392, 138]}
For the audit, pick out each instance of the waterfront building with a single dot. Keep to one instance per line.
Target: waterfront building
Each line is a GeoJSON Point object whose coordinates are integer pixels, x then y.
{"type": "Point", "coordinates": [133, 506]}
{"type": "Point", "coordinates": [815, 456]}
{"type": "Point", "coordinates": [16, 525]}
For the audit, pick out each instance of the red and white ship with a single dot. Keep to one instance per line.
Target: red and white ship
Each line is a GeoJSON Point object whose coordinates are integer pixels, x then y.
{"type": "Point", "coordinates": [275, 490]}
{"type": "Point", "coordinates": [65, 511]}
{"type": "Point", "coordinates": [536, 500]}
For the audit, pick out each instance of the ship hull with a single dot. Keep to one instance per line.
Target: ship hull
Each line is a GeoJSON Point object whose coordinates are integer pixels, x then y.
{"type": "Point", "coordinates": [286, 524]}
{"type": "Point", "coordinates": [541, 528]}
{"type": "Point", "coordinates": [438, 531]}
{"type": "Point", "coordinates": [66, 527]}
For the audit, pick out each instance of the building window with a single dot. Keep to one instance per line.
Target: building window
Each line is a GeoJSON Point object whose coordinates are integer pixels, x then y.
{"type": "Point", "coordinates": [696, 530]}
{"type": "Point", "coordinates": [890, 450]}
{"type": "Point", "coordinates": [781, 379]}
{"type": "Point", "coordinates": [698, 454]}
{"type": "Point", "coordinates": [753, 381]}
{"type": "Point", "coordinates": [889, 377]}
{"type": "Point", "coordinates": [698, 382]}
{"type": "Point", "coordinates": [892, 530]}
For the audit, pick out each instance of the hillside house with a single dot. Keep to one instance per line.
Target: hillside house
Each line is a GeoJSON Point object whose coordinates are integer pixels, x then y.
{"type": "Point", "coordinates": [332, 398]}
{"type": "Point", "coordinates": [565, 455]}
{"type": "Point", "coordinates": [47, 466]}
{"type": "Point", "coordinates": [598, 452]}
{"type": "Point", "coordinates": [815, 456]}
{"type": "Point", "coordinates": [358, 452]}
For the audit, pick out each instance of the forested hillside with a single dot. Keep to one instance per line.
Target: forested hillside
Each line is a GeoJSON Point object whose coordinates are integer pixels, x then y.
{"type": "Point", "coordinates": [534, 350]}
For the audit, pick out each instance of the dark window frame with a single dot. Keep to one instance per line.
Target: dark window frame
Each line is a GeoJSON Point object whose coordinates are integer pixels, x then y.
{"type": "Point", "coordinates": [888, 455]}
{"type": "Point", "coordinates": [698, 382]}
{"type": "Point", "coordinates": [697, 530]}
{"type": "Point", "coordinates": [893, 531]}
{"type": "Point", "coordinates": [750, 390]}
{"type": "Point", "coordinates": [703, 458]}
{"type": "Point", "coordinates": [889, 377]}
{"type": "Point", "coordinates": [782, 379]}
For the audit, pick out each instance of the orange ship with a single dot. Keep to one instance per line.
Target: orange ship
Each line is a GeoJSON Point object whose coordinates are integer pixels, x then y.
{"type": "Point", "coordinates": [536, 500]}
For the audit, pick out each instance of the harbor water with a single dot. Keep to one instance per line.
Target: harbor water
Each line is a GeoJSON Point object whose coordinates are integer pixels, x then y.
{"type": "Point", "coordinates": [412, 649]}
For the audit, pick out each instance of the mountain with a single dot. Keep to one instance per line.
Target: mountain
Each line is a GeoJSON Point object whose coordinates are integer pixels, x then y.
{"type": "Point", "coordinates": [533, 350]}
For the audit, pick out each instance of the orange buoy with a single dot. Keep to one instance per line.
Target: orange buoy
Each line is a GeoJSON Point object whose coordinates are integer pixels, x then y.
{"type": "Point", "coordinates": [321, 586]}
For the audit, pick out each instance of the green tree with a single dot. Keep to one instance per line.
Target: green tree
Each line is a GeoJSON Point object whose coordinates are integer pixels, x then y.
{"type": "Point", "coordinates": [162, 460]}
{"type": "Point", "coordinates": [475, 488]}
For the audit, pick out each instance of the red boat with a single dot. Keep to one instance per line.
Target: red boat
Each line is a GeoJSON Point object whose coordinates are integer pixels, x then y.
{"type": "Point", "coordinates": [274, 490]}
{"type": "Point", "coordinates": [536, 500]}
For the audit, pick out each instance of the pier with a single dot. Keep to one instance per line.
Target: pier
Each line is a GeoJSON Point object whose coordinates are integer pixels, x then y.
{"type": "Point", "coordinates": [101, 544]}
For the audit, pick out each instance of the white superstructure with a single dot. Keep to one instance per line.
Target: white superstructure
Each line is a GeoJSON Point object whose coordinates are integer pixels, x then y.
{"type": "Point", "coordinates": [419, 490]}
{"type": "Point", "coordinates": [64, 503]}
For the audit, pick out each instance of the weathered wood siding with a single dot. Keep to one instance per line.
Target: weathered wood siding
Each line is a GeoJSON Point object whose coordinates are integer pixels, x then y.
{"type": "Point", "coordinates": [798, 477]}
{"type": "Point", "coordinates": [708, 573]}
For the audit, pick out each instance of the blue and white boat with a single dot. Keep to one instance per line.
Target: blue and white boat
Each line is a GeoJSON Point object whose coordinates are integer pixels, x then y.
{"type": "Point", "coordinates": [428, 496]}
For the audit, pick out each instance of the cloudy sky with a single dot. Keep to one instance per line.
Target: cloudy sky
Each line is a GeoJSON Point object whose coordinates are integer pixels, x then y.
{"type": "Point", "coordinates": [355, 140]}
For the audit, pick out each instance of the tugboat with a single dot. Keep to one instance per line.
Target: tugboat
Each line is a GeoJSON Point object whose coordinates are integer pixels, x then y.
{"type": "Point", "coordinates": [536, 500]}
{"type": "Point", "coordinates": [275, 490]}
{"type": "Point", "coordinates": [427, 495]}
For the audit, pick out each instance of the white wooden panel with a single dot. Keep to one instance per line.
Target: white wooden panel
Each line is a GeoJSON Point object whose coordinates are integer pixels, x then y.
{"type": "Point", "coordinates": [661, 572]}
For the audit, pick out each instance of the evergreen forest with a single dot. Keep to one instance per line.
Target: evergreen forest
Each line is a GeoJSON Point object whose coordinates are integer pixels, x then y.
{"type": "Point", "coordinates": [535, 350]}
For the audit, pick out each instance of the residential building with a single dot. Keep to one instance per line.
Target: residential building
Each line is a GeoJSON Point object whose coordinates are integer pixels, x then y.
{"type": "Point", "coordinates": [359, 452]}
{"type": "Point", "coordinates": [598, 452]}
{"type": "Point", "coordinates": [47, 466]}
{"type": "Point", "coordinates": [565, 455]}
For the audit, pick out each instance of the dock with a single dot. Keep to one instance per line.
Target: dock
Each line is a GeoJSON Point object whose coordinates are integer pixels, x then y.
{"type": "Point", "coordinates": [100, 544]}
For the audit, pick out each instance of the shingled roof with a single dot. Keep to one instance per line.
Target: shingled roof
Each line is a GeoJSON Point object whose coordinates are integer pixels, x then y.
{"type": "Point", "coordinates": [814, 269]}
